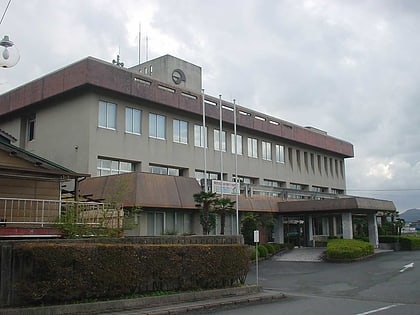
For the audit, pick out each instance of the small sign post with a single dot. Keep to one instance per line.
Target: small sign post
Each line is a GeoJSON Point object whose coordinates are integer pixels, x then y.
{"type": "Point", "coordinates": [256, 241]}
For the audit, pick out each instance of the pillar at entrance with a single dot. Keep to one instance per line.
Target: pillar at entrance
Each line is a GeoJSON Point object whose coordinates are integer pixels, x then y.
{"type": "Point", "coordinates": [373, 230]}
{"type": "Point", "coordinates": [279, 230]}
{"type": "Point", "coordinates": [310, 231]}
{"type": "Point", "coordinates": [347, 222]}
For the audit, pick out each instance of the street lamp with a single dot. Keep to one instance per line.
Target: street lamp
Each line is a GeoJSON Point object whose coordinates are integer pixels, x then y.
{"type": "Point", "coordinates": [10, 55]}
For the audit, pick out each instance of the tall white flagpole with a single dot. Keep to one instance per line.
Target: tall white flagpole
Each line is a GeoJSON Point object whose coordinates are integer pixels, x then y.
{"type": "Point", "coordinates": [220, 142]}
{"type": "Point", "coordinates": [139, 43]}
{"type": "Point", "coordinates": [236, 167]}
{"type": "Point", "coordinates": [205, 143]}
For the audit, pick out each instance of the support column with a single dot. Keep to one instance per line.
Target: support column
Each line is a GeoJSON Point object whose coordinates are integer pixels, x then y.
{"type": "Point", "coordinates": [279, 230]}
{"type": "Point", "coordinates": [334, 226]}
{"type": "Point", "coordinates": [310, 232]}
{"type": "Point", "coordinates": [347, 222]}
{"type": "Point", "coordinates": [373, 230]}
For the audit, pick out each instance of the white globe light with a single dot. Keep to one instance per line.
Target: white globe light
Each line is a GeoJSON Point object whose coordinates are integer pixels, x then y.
{"type": "Point", "coordinates": [10, 55]}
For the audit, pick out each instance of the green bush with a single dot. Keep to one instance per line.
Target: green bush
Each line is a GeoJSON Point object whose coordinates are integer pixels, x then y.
{"type": "Point", "coordinates": [53, 273]}
{"type": "Point", "coordinates": [271, 249]}
{"type": "Point", "coordinates": [262, 251]}
{"type": "Point", "coordinates": [406, 242]}
{"type": "Point", "coordinates": [410, 242]}
{"type": "Point", "coordinates": [343, 249]}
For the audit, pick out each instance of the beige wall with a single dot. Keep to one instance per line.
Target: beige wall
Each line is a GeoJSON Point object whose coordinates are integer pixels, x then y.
{"type": "Point", "coordinates": [68, 134]}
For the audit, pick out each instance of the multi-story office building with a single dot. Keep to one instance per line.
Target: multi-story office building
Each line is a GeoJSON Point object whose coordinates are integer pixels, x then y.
{"type": "Point", "coordinates": [98, 118]}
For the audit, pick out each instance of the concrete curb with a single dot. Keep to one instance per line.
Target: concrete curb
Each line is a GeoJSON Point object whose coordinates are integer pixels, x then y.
{"type": "Point", "coordinates": [169, 304]}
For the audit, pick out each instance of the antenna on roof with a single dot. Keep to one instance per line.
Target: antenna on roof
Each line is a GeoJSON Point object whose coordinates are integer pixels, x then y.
{"type": "Point", "coordinates": [139, 43]}
{"type": "Point", "coordinates": [147, 48]}
{"type": "Point", "coordinates": [118, 62]}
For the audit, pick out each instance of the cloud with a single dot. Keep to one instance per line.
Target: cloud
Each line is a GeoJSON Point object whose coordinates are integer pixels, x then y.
{"type": "Point", "coordinates": [350, 68]}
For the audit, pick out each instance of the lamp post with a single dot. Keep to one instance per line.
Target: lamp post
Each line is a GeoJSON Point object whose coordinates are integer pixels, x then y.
{"type": "Point", "coordinates": [10, 55]}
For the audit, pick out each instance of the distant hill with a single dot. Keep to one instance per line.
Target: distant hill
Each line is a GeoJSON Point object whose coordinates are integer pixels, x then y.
{"type": "Point", "coordinates": [411, 215]}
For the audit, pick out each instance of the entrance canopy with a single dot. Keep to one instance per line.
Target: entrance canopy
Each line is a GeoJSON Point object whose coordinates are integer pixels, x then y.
{"type": "Point", "coordinates": [355, 205]}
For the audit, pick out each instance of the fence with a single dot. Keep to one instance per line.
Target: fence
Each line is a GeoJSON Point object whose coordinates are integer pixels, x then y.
{"type": "Point", "coordinates": [18, 212]}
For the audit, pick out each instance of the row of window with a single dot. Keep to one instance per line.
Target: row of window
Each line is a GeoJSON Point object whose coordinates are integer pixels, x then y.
{"type": "Point", "coordinates": [157, 130]}
{"type": "Point", "coordinates": [110, 167]}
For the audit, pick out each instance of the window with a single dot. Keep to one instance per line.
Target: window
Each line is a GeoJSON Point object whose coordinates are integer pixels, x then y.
{"type": "Point", "coordinates": [337, 191]}
{"type": "Point", "coordinates": [200, 136]}
{"type": "Point", "coordinates": [266, 151]}
{"type": "Point", "coordinates": [238, 143]}
{"type": "Point", "coordinates": [245, 180]}
{"type": "Point", "coordinates": [252, 148]}
{"type": "Point", "coordinates": [305, 159]}
{"type": "Point", "coordinates": [132, 120]}
{"type": "Point", "coordinates": [157, 126]}
{"type": "Point", "coordinates": [199, 175]}
{"type": "Point", "coordinates": [319, 164]}
{"type": "Point", "coordinates": [298, 159]}
{"type": "Point", "coordinates": [326, 165]}
{"type": "Point", "coordinates": [110, 167]}
{"type": "Point", "coordinates": [31, 128]}
{"type": "Point", "coordinates": [279, 153]}
{"type": "Point", "coordinates": [313, 162]}
{"type": "Point", "coordinates": [156, 169]}
{"type": "Point", "coordinates": [107, 115]}
{"type": "Point", "coordinates": [180, 131]}
{"type": "Point", "coordinates": [219, 140]}
{"type": "Point", "coordinates": [271, 183]}
{"type": "Point", "coordinates": [290, 150]}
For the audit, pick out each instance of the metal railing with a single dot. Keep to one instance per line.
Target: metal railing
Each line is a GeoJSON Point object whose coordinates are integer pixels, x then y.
{"type": "Point", "coordinates": [44, 212]}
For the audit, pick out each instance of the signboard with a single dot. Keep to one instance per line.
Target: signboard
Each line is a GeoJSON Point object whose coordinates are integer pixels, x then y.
{"type": "Point", "coordinates": [228, 188]}
{"type": "Point", "coordinates": [256, 236]}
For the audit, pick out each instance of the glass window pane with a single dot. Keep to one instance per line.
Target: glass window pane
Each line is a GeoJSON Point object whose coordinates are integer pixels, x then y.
{"type": "Point", "coordinates": [152, 125]}
{"type": "Point", "coordinates": [184, 132]}
{"type": "Point", "coordinates": [129, 119]}
{"type": "Point", "coordinates": [102, 114]}
{"type": "Point", "coordinates": [161, 126]}
{"type": "Point", "coordinates": [137, 121]}
{"type": "Point", "coordinates": [111, 115]}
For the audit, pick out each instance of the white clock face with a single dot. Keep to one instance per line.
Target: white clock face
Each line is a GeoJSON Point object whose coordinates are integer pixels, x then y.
{"type": "Point", "coordinates": [178, 76]}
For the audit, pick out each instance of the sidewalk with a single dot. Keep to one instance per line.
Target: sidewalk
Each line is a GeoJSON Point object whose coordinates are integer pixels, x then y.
{"type": "Point", "coordinates": [312, 254]}
{"type": "Point", "coordinates": [302, 254]}
{"type": "Point", "coordinates": [181, 303]}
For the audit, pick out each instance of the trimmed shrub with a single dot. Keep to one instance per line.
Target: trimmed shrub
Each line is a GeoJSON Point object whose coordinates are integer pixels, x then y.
{"type": "Point", "coordinates": [262, 251]}
{"type": "Point", "coordinates": [54, 273]}
{"type": "Point", "coordinates": [343, 249]}
{"type": "Point", "coordinates": [270, 247]}
{"type": "Point", "coordinates": [406, 242]}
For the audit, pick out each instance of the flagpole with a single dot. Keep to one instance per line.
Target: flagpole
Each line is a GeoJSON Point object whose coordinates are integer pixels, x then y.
{"type": "Point", "coordinates": [205, 144]}
{"type": "Point", "coordinates": [236, 167]}
{"type": "Point", "coordinates": [220, 143]}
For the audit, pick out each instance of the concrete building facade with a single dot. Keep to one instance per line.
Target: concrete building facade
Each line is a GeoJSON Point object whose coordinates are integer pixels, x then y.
{"type": "Point", "coordinates": [97, 118]}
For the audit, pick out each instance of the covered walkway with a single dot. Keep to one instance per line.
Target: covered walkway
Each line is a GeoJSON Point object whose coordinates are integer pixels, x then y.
{"type": "Point", "coordinates": [316, 220]}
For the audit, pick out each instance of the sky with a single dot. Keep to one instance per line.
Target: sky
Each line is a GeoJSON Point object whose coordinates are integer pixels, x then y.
{"type": "Point", "coordinates": [348, 67]}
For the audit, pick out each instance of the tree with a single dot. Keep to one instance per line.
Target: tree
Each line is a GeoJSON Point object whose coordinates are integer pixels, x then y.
{"type": "Point", "coordinates": [223, 206]}
{"type": "Point", "coordinates": [252, 222]}
{"type": "Point", "coordinates": [205, 201]}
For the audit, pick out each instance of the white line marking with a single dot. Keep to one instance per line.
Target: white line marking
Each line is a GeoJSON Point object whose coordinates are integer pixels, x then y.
{"type": "Point", "coordinates": [405, 267]}
{"type": "Point", "coordinates": [378, 309]}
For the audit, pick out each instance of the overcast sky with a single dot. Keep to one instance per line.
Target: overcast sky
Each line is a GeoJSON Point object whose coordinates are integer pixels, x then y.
{"type": "Point", "coordinates": [351, 68]}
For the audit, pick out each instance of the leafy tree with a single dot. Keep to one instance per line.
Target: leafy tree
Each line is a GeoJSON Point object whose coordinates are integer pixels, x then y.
{"type": "Point", "coordinates": [249, 225]}
{"type": "Point", "coordinates": [205, 201]}
{"type": "Point", "coordinates": [223, 206]}
{"type": "Point", "coordinates": [252, 221]}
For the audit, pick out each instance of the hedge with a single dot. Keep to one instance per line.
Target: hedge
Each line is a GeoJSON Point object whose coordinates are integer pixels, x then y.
{"type": "Point", "coordinates": [51, 273]}
{"type": "Point", "coordinates": [406, 242]}
{"type": "Point", "coordinates": [344, 249]}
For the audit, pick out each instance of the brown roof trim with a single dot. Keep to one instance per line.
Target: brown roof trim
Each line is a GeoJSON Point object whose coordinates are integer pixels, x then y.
{"type": "Point", "coordinates": [352, 204]}
{"type": "Point", "coordinates": [91, 71]}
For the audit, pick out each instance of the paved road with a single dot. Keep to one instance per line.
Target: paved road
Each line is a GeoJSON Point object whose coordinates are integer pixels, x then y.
{"type": "Point", "coordinates": [386, 284]}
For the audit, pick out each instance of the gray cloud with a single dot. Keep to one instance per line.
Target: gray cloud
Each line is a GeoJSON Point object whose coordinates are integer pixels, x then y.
{"type": "Point", "coordinates": [347, 67]}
